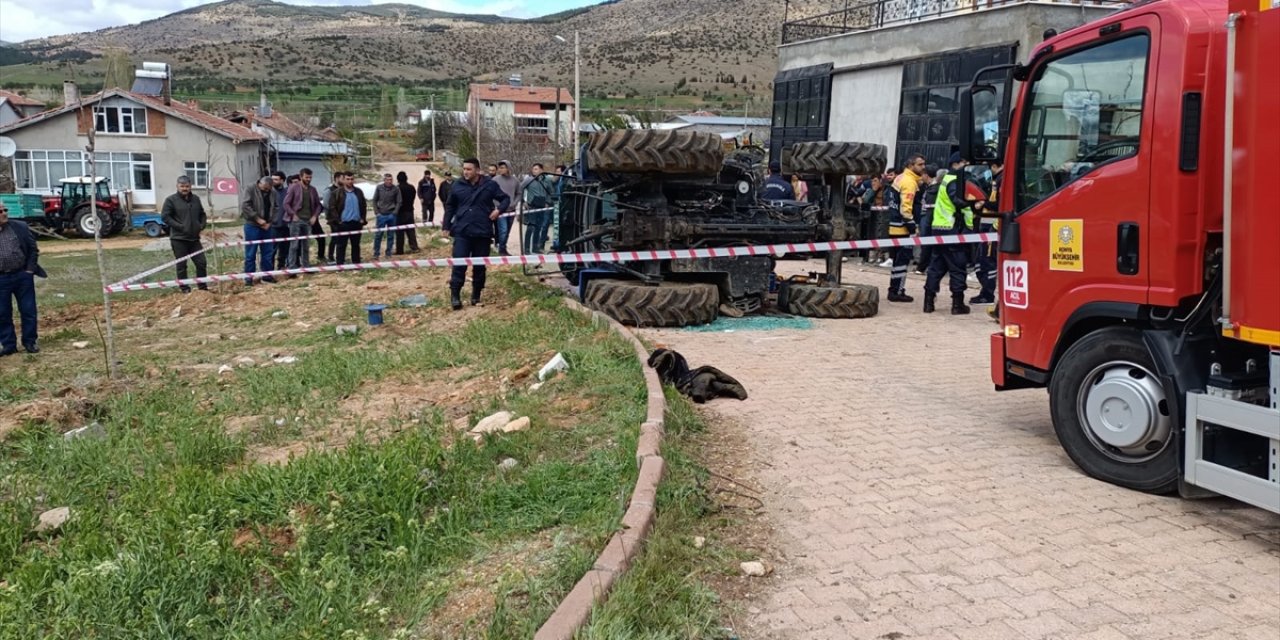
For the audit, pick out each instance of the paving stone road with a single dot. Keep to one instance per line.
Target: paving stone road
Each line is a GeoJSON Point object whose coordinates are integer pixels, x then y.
{"type": "Point", "coordinates": [912, 501]}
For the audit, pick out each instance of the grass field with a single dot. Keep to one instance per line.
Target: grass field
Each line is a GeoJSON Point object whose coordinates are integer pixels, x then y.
{"type": "Point", "coordinates": [334, 497]}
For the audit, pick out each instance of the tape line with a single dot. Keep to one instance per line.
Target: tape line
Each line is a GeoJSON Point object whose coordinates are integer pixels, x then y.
{"type": "Point", "coordinates": [578, 258]}
{"type": "Point", "coordinates": [242, 243]}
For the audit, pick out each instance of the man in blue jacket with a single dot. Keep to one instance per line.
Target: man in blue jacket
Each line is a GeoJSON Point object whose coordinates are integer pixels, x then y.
{"type": "Point", "coordinates": [474, 204]}
{"type": "Point", "coordinates": [19, 267]}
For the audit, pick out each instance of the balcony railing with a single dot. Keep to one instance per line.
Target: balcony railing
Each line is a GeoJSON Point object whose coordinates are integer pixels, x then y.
{"type": "Point", "coordinates": [875, 14]}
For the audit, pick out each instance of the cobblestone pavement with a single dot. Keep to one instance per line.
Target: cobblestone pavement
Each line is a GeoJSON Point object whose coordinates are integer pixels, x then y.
{"type": "Point", "coordinates": [913, 501]}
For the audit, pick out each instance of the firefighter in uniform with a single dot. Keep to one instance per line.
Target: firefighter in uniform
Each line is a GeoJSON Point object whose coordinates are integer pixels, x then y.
{"type": "Point", "coordinates": [951, 258]}
{"type": "Point", "coordinates": [902, 224]}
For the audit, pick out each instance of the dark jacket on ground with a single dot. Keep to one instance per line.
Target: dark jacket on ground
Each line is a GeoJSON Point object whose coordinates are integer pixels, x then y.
{"type": "Point", "coordinates": [28, 246]}
{"type": "Point", "coordinates": [258, 204]}
{"type": "Point", "coordinates": [185, 217]}
{"type": "Point", "coordinates": [466, 214]}
{"type": "Point", "coordinates": [337, 200]}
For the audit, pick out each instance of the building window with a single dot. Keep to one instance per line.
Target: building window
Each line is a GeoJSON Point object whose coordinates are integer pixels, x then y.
{"type": "Point", "coordinates": [41, 170]}
{"type": "Point", "coordinates": [198, 172]}
{"type": "Point", "coordinates": [532, 127]}
{"type": "Point", "coordinates": [123, 120]}
{"type": "Point", "coordinates": [930, 110]}
{"type": "Point", "coordinates": [801, 107]}
{"type": "Point", "coordinates": [126, 170]}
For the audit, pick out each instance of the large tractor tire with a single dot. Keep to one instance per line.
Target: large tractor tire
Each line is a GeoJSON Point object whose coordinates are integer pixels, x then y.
{"type": "Point", "coordinates": [669, 151]}
{"type": "Point", "coordinates": [843, 158]}
{"type": "Point", "coordinates": [669, 304]}
{"type": "Point", "coordinates": [86, 224]}
{"type": "Point", "coordinates": [848, 301]}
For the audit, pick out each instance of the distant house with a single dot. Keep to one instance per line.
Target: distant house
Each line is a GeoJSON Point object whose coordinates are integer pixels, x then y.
{"type": "Point", "coordinates": [526, 112]}
{"type": "Point", "coordinates": [292, 146]}
{"type": "Point", "coordinates": [143, 143]}
{"type": "Point", "coordinates": [19, 104]}
{"type": "Point", "coordinates": [730, 126]}
{"type": "Point", "coordinates": [9, 112]}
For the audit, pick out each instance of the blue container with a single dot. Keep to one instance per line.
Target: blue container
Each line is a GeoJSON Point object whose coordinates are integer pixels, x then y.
{"type": "Point", "coordinates": [375, 313]}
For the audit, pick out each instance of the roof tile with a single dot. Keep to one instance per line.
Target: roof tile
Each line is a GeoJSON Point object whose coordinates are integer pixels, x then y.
{"type": "Point", "coordinates": [508, 93]}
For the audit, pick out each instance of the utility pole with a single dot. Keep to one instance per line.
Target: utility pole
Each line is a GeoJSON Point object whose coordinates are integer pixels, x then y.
{"type": "Point", "coordinates": [433, 127]}
{"type": "Point", "coordinates": [577, 93]}
{"type": "Point", "coordinates": [559, 140]}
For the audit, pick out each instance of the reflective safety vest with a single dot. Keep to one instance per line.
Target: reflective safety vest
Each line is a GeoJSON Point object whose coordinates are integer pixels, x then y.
{"type": "Point", "coordinates": [944, 210]}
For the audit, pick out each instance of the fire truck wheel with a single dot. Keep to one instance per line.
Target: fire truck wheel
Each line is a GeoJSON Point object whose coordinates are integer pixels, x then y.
{"type": "Point", "coordinates": [813, 301]}
{"type": "Point", "coordinates": [1111, 412]}
{"type": "Point", "coordinates": [844, 158]}
{"type": "Point", "coordinates": [669, 304]}
{"type": "Point", "coordinates": [669, 151]}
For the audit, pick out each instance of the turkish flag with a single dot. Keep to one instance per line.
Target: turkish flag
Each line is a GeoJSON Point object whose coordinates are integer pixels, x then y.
{"type": "Point", "coordinates": [226, 185]}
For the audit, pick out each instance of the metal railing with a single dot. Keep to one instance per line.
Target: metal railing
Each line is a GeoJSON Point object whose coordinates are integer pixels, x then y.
{"type": "Point", "coordinates": [876, 14]}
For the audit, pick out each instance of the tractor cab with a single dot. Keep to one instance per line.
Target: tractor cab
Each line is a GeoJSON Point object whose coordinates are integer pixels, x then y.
{"type": "Point", "coordinates": [77, 190]}
{"type": "Point", "coordinates": [69, 209]}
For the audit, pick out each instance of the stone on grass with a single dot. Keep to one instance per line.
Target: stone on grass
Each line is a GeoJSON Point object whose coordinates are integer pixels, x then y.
{"type": "Point", "coordinates": [462, 423]}
{"type": "Point", "coordinates": [93, 430]}
{"type": "Point", "coordinates": [535, 386]}
{"type": "Point", "coordinates": [699, 542]}
{"type": "Point", "coordinates": [53, 519]}
{"type": "Point", "coordinates": [284, 360]}
{"type": "Point", "coordinates": [414, 301]}
{"type": "Point", "coordinates": [493, 423]}
{"type": "Point", "coordinates": [280, 314]}
{"type": "Point", "coordinates": [508, 464]}
{"type": "Point", "coordinates": [177, 312]}
{"type": "Point", "coordinates": [519, 424]}
{"type": "Point", "coordinates": [226, 368]}
{"type": "Point", "coordinates": [346, 329]}
{"type": "Point", "coordinates": [754, 569]}
{"type": "Point", "coordinates": [80, 345]}
{"type": "Point", "coordinates": [246, 361]}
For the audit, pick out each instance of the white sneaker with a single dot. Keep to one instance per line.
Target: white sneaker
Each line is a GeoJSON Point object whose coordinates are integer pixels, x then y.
{"type": "Point", "coordinates": [973, 278]}
{"type": "Point", "coordinates": [888, 262]}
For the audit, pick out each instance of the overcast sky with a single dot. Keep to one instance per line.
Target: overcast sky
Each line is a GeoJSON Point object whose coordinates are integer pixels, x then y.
{"type": "Point", "coordinates": [25, 19]}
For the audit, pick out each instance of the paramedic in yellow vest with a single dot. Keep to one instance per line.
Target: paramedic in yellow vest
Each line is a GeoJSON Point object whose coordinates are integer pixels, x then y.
{"type": "Point", "coordinates": [952, 214]}
{"type": "Point", "coordinates": [902, 224]}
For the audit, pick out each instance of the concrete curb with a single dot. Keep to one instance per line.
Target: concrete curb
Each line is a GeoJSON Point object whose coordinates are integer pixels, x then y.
{"type": "Point", "coordinates": [575, 610]}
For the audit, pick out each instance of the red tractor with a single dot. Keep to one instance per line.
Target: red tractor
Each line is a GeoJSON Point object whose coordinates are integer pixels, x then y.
{"type": "Point", "coordinates": [70, 208]}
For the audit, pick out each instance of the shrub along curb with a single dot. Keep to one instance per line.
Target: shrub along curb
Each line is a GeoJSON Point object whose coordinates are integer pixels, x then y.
{"type": "Point", "coordinates": [575, 610]}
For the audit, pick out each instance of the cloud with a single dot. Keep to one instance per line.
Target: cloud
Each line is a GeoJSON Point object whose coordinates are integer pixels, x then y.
{"type": "Point", "coordinates": [24, 20]}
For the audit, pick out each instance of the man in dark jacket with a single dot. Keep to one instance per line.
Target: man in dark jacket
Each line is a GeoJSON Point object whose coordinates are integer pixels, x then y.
{"type": "Point", "coordinates": [256, 208]}
{"type": "Point", "coordinates": [280, 228]}
{"type": "Point", "coordinates": [473, 206]}
{"type": "Point", "coordinates": [184, 214]}
{"type": "Point", "coordinates": [446, 185]}
{"type": "Point", "coordinates": [348, 211]}
{"type": "Point", "coordinates": [404, 215]}
{"type": "Point", "coordinates": [302, 204]}
{"type": "Point", "coordinates": [19, 267]}
{"type": "Point", "coordinates": [775, 186]}
{"type": "Point", "coordinates": [427, 194]}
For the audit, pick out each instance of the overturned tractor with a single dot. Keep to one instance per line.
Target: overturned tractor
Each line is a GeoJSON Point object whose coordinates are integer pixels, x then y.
{"type": "Point", "coordinates": [645, 190]}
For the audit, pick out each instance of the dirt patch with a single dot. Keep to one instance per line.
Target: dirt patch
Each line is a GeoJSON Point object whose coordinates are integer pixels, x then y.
{"type": "Point", "coordinates": [276, 540]}
{"type": "Point", "coordinates": [70, 407]}
{"type": "Point", "coordinates": [471, 601]}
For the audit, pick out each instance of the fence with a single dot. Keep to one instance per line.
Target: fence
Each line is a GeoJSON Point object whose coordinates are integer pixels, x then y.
{"type": "Point", "coordinates": [864, 16]}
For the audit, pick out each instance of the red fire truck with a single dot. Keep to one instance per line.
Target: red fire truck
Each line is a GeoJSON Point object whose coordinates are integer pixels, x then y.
{"type": "Point", "coordinates": [1139, 236]}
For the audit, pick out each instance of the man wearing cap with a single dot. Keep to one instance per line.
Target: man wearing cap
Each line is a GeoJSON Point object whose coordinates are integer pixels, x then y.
{"type": "Point", "coordinates": [951, 259]}
{"type": "Point", "coordinates": [19, 267]}
{"type": "Point", "coordinates": [184, 214]}
{"type": "Point", "coordinates": [775, 186]}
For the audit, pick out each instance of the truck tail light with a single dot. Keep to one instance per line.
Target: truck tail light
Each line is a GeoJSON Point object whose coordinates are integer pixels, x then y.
{"type": "Point", "coordinates": [1012, 331]}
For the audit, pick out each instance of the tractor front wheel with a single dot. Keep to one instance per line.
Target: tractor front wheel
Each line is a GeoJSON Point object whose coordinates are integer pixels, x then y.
{"type": "Point", "coordinates": [87, 224]}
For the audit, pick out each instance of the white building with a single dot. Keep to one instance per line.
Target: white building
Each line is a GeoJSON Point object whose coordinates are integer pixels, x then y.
{"type": "Point", "coordinates": [526, 112]}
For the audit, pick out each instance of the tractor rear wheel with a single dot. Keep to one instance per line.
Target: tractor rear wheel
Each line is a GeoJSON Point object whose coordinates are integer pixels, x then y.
{"type": "Point", "coordinates": [848, 301]}
{"type": "Point", "coordinates": [670, 151]}
{"type": "Point", "coordinates": [86, 224]}
{"type": "Point", "coordinates": [843, 158]}
{"type": "Point", "coordinates": [669, 304]}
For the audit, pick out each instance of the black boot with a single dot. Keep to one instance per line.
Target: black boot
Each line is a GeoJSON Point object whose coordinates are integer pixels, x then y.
{"type": "Point", "coordinates": [958, 307]}
{"type": "Point", "coordinates": [900, 296]}
{"type": "Point", "coordinates": [475, 297]}
{"type": "Point", "coordinates": [929, 299]}
{"type": "Point", "coordinates": [455, 299]}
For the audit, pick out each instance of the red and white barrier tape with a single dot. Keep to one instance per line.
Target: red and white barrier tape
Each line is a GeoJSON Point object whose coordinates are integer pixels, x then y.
{"type": "Point", "coordinates": [242, 243]}
{"type": "Point", "coordinates": [574, 258]}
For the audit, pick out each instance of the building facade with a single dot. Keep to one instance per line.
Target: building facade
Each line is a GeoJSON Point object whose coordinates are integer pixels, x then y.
{"type": "Point", "coordinates": [525, 112]}
{"type": "Point", "coordinates": [890, 71]}
{"type": "Point", "coordinates": [142, 143]}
